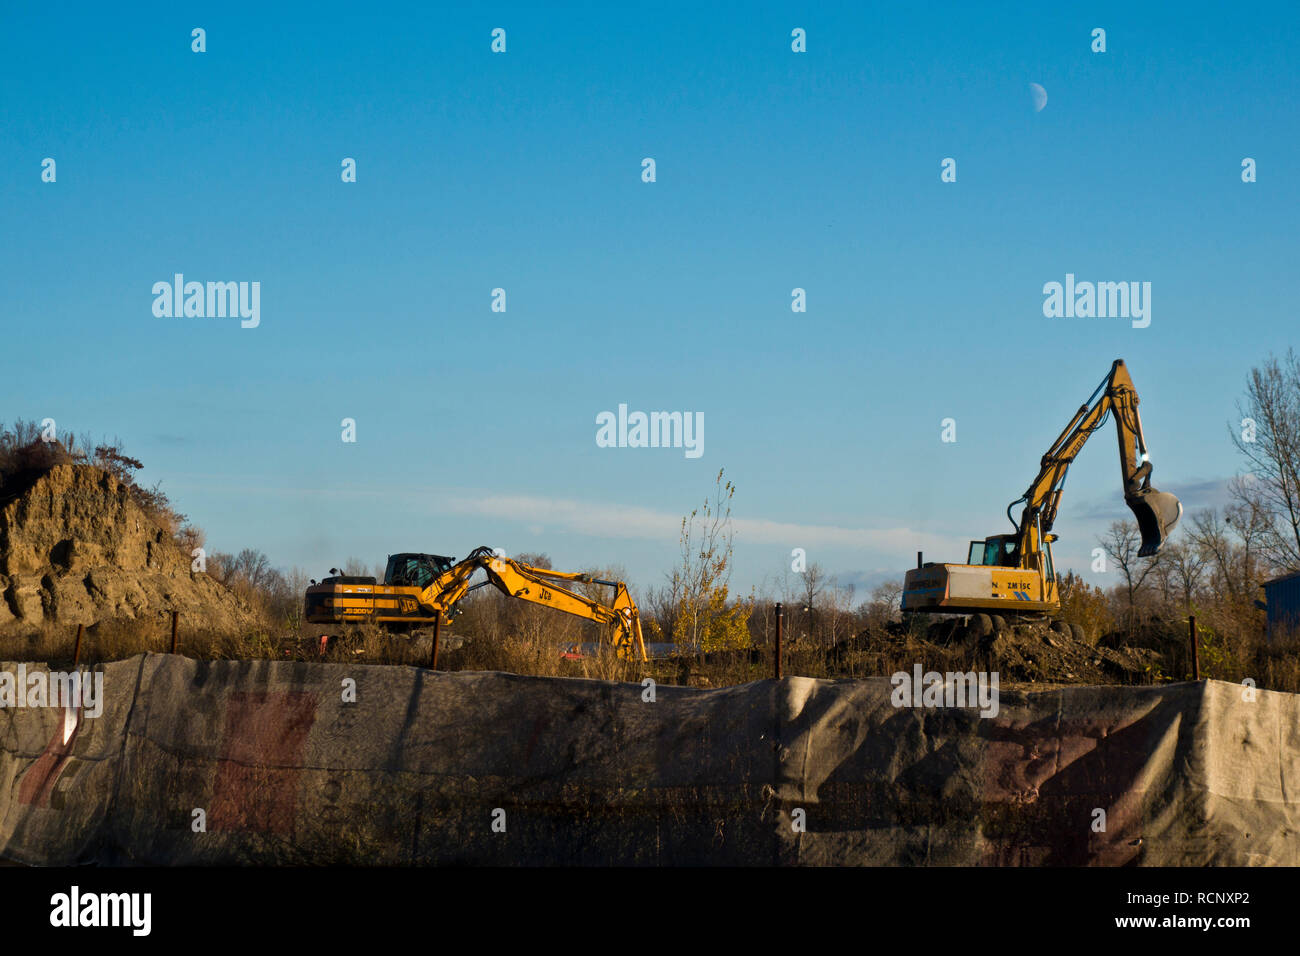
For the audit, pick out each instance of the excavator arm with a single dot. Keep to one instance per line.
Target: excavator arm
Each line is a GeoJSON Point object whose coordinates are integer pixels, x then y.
{"type": "Point", "coordinates": [539, 585]}
{"type": "Point", "coordinates": [1157, 512]}
{"type": "Point", "coordinates": [542, 586]}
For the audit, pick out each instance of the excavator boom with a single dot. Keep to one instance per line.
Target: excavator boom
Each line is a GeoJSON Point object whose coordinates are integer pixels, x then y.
{"type": "Point", "coordinates": [1156, 512]}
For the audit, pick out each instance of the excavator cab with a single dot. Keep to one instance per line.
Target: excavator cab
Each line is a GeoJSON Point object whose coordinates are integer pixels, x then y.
{"type": "Point", "coordinates": [415, 570]}
{"type": "Point", "coordinates": [998, 550]}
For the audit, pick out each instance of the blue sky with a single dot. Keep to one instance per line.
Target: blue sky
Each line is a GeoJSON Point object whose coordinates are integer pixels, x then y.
{"type": "Point", "coordinates": [522, 170]}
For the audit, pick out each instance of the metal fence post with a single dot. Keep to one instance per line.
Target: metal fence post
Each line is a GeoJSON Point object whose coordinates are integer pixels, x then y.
{"type": "Point", "coordinates": [779, 614]}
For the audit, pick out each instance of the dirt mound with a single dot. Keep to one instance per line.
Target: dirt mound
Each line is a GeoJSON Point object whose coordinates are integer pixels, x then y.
{"type": "Point", "coordinates": [1039, 652]}
{"type": "Point", "coordinates": [76, 548]}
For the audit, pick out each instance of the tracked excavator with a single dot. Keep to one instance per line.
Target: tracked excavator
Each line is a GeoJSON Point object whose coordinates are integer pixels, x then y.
{"type": "Point", "coordinates": [417, 588]}
{"type": "Point", "coordinates": [1012, 574]}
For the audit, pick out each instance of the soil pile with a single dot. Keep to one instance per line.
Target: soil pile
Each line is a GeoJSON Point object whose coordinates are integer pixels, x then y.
{"type": "Point", "coordinates": [1027, 652]}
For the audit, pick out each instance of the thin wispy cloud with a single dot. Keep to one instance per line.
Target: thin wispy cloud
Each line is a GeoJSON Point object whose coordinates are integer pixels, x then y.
{"type": "Point", "coordinates": [632, 521]}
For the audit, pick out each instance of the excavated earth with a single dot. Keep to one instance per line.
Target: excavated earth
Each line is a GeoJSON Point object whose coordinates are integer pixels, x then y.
{"type": "Point", "coordinates": [1033, 654]}
{"type": "Point", "coordinates": [75, 548]}
{"type": "Point", "coordinates": [1039, 652]}
{"type": "Point", "coordinates": [1022, 653]}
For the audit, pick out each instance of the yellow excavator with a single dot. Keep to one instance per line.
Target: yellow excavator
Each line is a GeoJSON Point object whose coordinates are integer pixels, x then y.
{"type": "Point", "coordinates": [1013, 573]}
{"type": "Point", "coordinates": [418, 588]}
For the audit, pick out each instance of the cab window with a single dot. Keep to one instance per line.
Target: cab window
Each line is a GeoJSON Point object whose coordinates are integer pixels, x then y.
{"type": "Point", "coordinates": [1000, 552]}
{"type": "Point", "coordinates": [408, 571]}
{"type": "Point", "coordinates": [418, 573]}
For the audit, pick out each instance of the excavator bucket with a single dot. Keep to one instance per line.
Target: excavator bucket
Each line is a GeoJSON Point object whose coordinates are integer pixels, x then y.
{"type": "Point", "coordinates": [1157, 514]}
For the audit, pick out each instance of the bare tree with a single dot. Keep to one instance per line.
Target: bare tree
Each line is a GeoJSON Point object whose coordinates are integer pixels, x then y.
{"type": "Point", "coordinates": [356, 567]}
{"type": "Point", "coordinates": [1232, 548]}
{"type": "Point", "coordinates": [1185, 561]}
{"type": "Point", "coordinates": [836, 608]}
{"type": "Point", "coordinates": [1165, 580]}
{"type": "Point", "coordinates": [1270, 441]}
{"type": "Point", "coordinates": [295, 586]}
{"type": "Point", "coordinates": [1214, 539]}
{"type": "Point", "coordinates": [662, 604]}
{"type": "Point", "coordinates": [251, 568]}
{"type": "Point", "coordinates": [812, 584]}
{"type": "Point", "coordinates": [1255, 530]}
{"type": "Point", "coordinates": [885, 604]}
{"type": "Point", "coordinates": [1121, 544]}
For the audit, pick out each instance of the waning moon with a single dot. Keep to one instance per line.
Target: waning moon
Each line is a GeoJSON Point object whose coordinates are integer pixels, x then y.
{"type": "Point", "coordinates": [1040, 97]}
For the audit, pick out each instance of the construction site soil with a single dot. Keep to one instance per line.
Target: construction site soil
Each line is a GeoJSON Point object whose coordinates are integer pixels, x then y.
{"type": "Point", "coordinates": [1029, 653]}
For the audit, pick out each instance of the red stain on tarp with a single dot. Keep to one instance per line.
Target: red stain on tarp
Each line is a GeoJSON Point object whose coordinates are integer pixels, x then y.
{"type": "Point", "coordinates": [38, 781]}
{"type": "Point", "coordinates": [1070, 768]}
{"type": "Point", "coordinates": [261, 761]}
